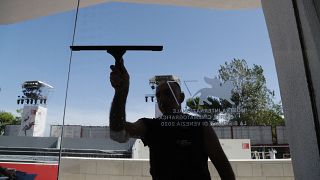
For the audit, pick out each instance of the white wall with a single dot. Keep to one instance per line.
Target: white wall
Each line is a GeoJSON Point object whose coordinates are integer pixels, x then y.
{"type": "Point", "coordinates": [139, 151]}
{"type": "Point", "coordinates": [128, 169]}
{"type": "Point", "coordinates": [234, 149]}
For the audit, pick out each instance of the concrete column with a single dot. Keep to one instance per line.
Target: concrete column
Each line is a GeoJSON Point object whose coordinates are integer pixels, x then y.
{"type": "Point", "coordinates": [294, 32]}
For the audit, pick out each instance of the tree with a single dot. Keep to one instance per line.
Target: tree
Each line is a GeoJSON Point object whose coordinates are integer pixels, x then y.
{"type": "Point", "coordinates": [193, 104]}
{"type": "Point", "coordinates": [249, 94]}
{"type": "Point", "coordinates": [7, 118]}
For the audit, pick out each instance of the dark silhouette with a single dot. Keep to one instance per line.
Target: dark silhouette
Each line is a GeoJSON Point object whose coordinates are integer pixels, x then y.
{"type": "Point", "coordinates": [177, 152]}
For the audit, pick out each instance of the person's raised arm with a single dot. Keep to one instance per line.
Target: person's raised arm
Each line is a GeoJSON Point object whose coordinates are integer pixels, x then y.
{"type": "Point", "coordinates": [216, 154]}
{"type": "Point", "coordinates": [120, 130]}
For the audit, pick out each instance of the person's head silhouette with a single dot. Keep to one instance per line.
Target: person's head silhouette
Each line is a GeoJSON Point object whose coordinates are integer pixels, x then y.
{"type": "Point", "coordinates": [169, 97]}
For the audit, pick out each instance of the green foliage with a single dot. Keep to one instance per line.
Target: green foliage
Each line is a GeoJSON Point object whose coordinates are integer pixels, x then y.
{"type": "Point", "coordinates": [249, 92]}
{"type": "Point", "coordinates": [193, 104]}
{"type": "Point", "coordinates": [7, 118]}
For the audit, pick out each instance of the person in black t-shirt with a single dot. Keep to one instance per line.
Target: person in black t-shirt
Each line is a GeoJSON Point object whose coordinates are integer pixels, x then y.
{"type": "Point", "coordinates": [179, 145]}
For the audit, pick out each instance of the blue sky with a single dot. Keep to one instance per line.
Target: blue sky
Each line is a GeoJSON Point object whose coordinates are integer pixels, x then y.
{"type": "Point", "coordinates": [196, 42]}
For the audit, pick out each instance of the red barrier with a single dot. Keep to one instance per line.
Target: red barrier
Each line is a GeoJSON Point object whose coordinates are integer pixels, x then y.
{"type": "Point", "coordinates": [43, 171]}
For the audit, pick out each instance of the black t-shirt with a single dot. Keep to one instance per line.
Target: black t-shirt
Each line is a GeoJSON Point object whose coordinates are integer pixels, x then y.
{"type": "Point", "coordinates": [176, 148]}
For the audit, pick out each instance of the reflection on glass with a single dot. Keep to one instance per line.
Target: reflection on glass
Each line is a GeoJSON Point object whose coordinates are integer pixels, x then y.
{"type": "Point", "coordinates": [33, 55]}
{"type": "Point", "coordinates": [221, 60]}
